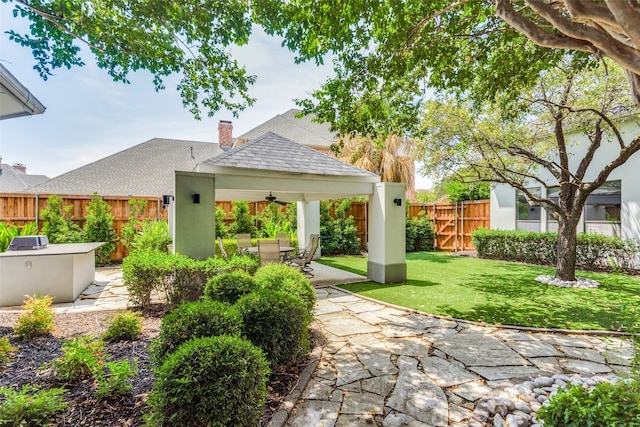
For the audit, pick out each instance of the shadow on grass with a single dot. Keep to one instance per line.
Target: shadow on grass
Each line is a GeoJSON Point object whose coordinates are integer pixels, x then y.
{"type": "Point", "coordinates": [434, 257]}
{"type": "Point", "coordinates": [520, 300]}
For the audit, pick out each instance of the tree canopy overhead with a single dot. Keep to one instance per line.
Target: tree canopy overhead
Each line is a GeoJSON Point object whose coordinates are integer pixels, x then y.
{"type": "Point", "coordinates": [163, 37]}
{"type": "Point", "coordinates": [394, 50]}
{"type": "Point", "coordinates": [387, 53]}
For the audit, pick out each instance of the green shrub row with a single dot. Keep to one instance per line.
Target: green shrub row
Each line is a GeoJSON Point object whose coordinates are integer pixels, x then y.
{"type": "Point", "coordinates": [175, 278]}
{"type": "Point", "coordinates": [593, 250]}
{"type": "Point", "coordinates": [212, 358]}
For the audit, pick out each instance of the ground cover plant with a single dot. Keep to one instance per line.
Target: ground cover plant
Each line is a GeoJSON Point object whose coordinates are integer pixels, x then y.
{"type": "Point", "coordinates": [499, 292]}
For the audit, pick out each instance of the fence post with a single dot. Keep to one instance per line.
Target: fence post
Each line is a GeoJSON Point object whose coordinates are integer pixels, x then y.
{"type": "Point", "coordinates": [462, 225]}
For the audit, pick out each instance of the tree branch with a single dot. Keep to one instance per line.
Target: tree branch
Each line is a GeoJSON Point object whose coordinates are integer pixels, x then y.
{"type": "Point", "coordinates": [55, 21]}
{"type": "Point", "coordinates": [626, 17]}
{"type": "Point", "coordinates": [532, 31]}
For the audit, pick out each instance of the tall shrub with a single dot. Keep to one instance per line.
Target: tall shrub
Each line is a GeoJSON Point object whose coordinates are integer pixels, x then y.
{"type": "Point", "coordinates": [58, 226]}
{"type": "Point", "coordinates": [134, 224]}
{"type": "Point", "coordinates": [221, 227]}
{"type": "Point", "coordinates": [338, 234]}
{"type": "Point", "coordinates": [98, 227]}
{"type": "Point", "coordinates": [243, 222]}
{"type": "Point", "coordinates": [419, 233]}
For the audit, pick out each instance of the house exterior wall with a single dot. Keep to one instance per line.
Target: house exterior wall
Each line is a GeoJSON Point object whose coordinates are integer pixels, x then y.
{"type": "Point", "coordinates": [503, 196]}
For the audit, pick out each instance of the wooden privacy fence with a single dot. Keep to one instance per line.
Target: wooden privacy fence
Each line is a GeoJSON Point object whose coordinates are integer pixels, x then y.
{"type": "Point", "coordinates": [453, 223]}
{"type": "Point", "coordinates": [20, 209]}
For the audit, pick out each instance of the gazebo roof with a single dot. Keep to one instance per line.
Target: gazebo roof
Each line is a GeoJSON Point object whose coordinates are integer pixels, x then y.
{"type": "Point", "coordinates": [272, 152]}
{"type": "Point", "coordinates": [288, 170]}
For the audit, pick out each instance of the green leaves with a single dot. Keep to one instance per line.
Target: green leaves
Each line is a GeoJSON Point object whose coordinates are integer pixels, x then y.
{"type": "Point", "coordinates": [162, 37]}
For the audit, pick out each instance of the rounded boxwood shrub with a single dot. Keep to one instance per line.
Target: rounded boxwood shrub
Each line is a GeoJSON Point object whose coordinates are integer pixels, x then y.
{"type": "Point", "coordinates": [276, 322]}
{"type": "Point", "coordinates": [214, 381]}
{"type": "Point", "coordinates": [194, 320]}
{"type": "Point", "coordinates": [228, 287]}
{"type": "Point", "coordinates": [607, 404]}
{"type": "Point", "coordinates": [281, 277]}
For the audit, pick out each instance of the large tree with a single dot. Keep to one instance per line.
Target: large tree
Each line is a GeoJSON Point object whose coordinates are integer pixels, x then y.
{"type": "Point", "coordinates": [535, 147]}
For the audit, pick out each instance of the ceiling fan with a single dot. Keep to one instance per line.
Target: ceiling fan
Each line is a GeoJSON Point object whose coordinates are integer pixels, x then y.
{"type": "Point", "coordinates": [271, 198]}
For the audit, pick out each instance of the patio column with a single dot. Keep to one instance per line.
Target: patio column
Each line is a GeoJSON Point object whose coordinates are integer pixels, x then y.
{"type": "Point", "coordinates": [387, 238]}
{"type": "Point", "coordinates": [308, 223]}
{"type": "Point", "coordinates": [194, 225]}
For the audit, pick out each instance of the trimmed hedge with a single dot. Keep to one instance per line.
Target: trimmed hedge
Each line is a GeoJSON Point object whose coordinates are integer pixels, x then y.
{"type": "Point", "coordinates": [215, 381]}
{"type": "Point", "coordinates": [195, 320]}
{"type": "Point", "coordinates": [228, 287]}
{"type": "Point", "coordinates": [593, 250]}
{"type": "Point", "coordinates": [277, 323]}
{"type": "Point", "coordinates": [175, 278]}
{"type": "Point", "coordinates": [280, 277]}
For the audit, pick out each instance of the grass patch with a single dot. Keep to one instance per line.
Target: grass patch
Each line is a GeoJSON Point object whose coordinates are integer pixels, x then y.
{"type": "Point", "coordinates": [499, 292]}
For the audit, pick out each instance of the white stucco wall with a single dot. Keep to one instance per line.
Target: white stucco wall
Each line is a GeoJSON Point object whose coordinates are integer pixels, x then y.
{"type": "Point", "coordinates": [194, 223]}
{"type": "Point", "coordinates": [503, 197]}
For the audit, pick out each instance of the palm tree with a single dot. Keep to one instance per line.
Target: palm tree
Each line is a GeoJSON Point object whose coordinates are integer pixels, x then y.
{"type": "Point", "coordinates": [384, 159]}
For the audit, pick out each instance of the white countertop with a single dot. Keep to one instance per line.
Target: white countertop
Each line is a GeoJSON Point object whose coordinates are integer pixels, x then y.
{"type": "Point", "coordinates": [56, 249]}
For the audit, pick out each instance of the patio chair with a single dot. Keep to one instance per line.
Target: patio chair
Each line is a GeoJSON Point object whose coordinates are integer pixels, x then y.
{"type": "Point", "coordinates": [303, 259]}
{"type": "Point", "coordinates": [268, 251]}
{"type": "Point", "coordinates": [222, 251]}
{"type": "Point", "coordinates": [244, 242]}
{"type": "Point", "coordinates": [285, 240]}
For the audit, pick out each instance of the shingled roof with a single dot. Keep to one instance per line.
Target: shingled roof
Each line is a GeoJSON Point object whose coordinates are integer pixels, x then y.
{"type": "Point", "coordinates": [302, 130]}
{"type": "Point", "coordinates": [13, 180]}
{"type": "Point", "coordinates": [272, 152]}
{"type": "Point", "coordinates": [146, 169]}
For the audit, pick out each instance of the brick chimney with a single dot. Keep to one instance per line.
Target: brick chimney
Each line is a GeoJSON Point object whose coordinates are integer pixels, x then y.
{"type": "Point", "coordinates": [225, 134]}
{"type": "Point", "coordinates": [20, 166]}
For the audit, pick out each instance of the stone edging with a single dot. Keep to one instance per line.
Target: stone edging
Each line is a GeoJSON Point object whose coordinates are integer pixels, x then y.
{"type": "Point", "coordinates": [281, 415]}
{"type": "Point", "coordinates": [489, 325]}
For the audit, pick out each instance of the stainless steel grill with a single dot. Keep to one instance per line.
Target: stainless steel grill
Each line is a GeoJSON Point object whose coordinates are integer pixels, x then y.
{"type": "Point", "coordinates": [23, 243]}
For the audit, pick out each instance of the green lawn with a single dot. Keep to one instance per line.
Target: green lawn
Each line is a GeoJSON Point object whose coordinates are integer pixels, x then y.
{"type": "Point", "coordinates": [500, 292]}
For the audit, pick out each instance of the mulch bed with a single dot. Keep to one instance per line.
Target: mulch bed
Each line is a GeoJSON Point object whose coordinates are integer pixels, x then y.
{"type": "Point", "coordinates": [83, 409]}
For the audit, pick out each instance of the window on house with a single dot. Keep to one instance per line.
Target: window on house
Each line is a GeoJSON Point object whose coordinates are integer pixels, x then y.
{"type": "Point", "coordinates": [553, 194]}
{"type": "Point", "coordinates": [527, 212]}
{"type": "Point", "coordinates": [604, 203]}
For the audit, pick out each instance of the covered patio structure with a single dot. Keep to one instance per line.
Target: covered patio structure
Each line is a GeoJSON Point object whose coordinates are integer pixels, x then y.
{"type": "Point", "coordinates": [271, 164]}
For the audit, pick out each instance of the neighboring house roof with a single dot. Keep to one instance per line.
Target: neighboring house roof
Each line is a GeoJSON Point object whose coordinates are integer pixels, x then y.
{"type": "Point", "coordinates": [146, 169]}
{"type": "Point", "coordinates": [13, 180]}
{"type": "Point", "coordinates": [273, 152]}
{"type": "Point", "coordinates": [301, 130]}
{"type": "Point", "coordinates": [15, 99]}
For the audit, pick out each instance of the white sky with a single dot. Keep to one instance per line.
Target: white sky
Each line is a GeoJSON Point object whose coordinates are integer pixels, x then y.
{"type": "Point", "coordinates": [89, 116]}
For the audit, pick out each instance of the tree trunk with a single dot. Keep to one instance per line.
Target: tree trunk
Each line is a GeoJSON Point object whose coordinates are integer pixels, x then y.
{"type": "Point", "coordinates": [567, 242]}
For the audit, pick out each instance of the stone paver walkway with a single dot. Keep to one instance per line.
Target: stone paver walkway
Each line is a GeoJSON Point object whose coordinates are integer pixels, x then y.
{"type": "Point", "coordinates": [391, 367]}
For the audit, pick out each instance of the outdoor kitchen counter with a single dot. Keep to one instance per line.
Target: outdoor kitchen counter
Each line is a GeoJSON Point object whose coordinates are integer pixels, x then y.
{"type": "Point", "coordinates": [61, 271]}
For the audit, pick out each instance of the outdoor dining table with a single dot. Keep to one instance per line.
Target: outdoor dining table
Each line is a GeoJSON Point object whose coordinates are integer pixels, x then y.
{"type": "Point", "coordinates": [284, 250]}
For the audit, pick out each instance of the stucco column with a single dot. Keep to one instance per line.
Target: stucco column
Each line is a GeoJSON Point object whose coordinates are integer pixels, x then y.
{"type": "Point", "coordinates": [194, 222]}
{"type": "Point", "coordinates": [308, 223]}
{"type": "Point", "coordinates": [387, 238]}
